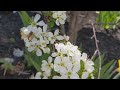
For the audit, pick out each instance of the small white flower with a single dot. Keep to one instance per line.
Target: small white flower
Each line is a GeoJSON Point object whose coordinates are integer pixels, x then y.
{"type": "Point", "coordinates": [84, 57]}
{"type": "Point", "coordinates": [66, 37]}
{"type": "Point", "coordinates": [89, 66]}
{"type": "Point", "coordinates": [53, 37]}
{"type": "Point", "coordinates": [36, 19]}
{"type": "Point", "coordinates": [17, 52]}
{"type": "Point", "coordinates": [60, 17]}
{"type": "Point", "coordinates": [59, 65]}
{"type": "Point", "coordinates": [47, 66]}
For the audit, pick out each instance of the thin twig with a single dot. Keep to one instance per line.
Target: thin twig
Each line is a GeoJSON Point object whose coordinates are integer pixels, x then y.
{"type": "Point", "coordinates": [96, 43]}
{"type": "Point", "coordinates": [94, 54]}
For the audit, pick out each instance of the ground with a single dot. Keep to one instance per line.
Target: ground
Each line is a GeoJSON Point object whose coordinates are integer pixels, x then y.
{"type": "Point", "coordinates": [10, 24]}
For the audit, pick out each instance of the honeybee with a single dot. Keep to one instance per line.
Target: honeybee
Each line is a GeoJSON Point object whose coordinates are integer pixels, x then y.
{"type": "Point", "coordinates": [30, 36]}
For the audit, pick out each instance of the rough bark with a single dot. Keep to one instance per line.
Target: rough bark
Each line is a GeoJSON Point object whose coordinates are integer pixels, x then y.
{"type": "Point", "coordinates": [78, 19]}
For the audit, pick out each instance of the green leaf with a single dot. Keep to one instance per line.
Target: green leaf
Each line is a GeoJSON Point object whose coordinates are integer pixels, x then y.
{"type": "Point", "coordinates": [107, 74]}
{"type": "Point", "coordinates": [116, 76]}
{"type": "Point", "coordinates": [25, 18]}
{"type": "Point", "coordinates": [36, 65]}
{"type": "Point", "coordinates": [96, 61]}
{"type": "Point", "coordinates": [105, 68]}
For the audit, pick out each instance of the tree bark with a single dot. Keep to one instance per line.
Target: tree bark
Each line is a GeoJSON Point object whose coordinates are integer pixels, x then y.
{"type": "Point", "coordinates": [78, 19]}
{"type": "Point", "coordinates": [74, 26]}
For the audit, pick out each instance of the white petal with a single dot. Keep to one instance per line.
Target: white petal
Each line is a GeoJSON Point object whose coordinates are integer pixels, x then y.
{"type": "Point", "coordinates": [59, 13]}
{"type": "Point", "coordinates": [60, 37]}
{"type": "Point", "coordinates": [56, 32]}
{"type": "Point", "coordinates": [44, 62]}
{"type": "Point", "coordinates": [37, 76]}
{"type": "Point", "coordinates": [50, 34]}
{"type": "Point", "coordinates": [54, 15]}
{"type": "Point", "coordinates": [49, 59]}
{"type": "Point", "coordinates": [62, 21]}
{"type": "Point", "coordinates": [63, 16]}
{"type": "Point", "coordinates": [31, 48]}
{"type": "Point", "coordinates": [26, 31]}
{"type": "Point", "coordinates": [27, 44]}
{"type": "Point", "coordinates": [45, 28]}
{"type": "Point", "coordinates": [57, 22]}
{"type": "Point", "coordinates": [63, 70]}
{"type": "Point", "coordinates": [38, 52]}
{"type": "Point", "coordinates": [54, 54]}
{"type": "Point", "coordinates": [30, 28]}
{"type": "Point", "coordinates": [84, 57]}
{"type": "Point", "coordinates": [46, 50]}
{"type": "Point", "coordinates": [57, 60]}
{"type": "Point", "coordinates": [66, 38]}
{"type": "Point", "coordinates": [52, 41]}
{"type": "Point", "coordinates": [40, 29]}
{"type": "Point", "coordinates": [34, 30]}
{"type": "Point", "coordinates": [56, 68]}
{"type": "Point", "coordinates": [68, 65]}
{"type": "Point", "coordinates": [85, 75]}
{"type": "Point", "coordinates": [90, 62]}
{"type": "Point", "coordinates": [76, 68]}
{"type": "Point", "coordinates": [47, 74]}
{"type": "Point", "coordinates": [41, 23]}
{"type": "Point", "coordinates": [37, 17]}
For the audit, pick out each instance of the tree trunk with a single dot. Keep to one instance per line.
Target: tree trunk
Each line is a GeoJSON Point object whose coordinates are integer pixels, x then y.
{"type": "Point", "coordinates": [78, 19]}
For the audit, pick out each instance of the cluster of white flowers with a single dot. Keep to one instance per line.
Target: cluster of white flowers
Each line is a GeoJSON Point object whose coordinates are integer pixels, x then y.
{"type": "Point", "coordinates": [66, 63]}
{"type": "Point", "coordinates": [60, 17]}
{"type": "Point", "coordinates": [37, 37]}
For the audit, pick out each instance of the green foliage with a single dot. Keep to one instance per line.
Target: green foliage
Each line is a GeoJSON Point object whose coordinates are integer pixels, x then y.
{"type": "Point", "coordinates": [106, 69]}
{"type": "Point", "coordinates": [108, 19]}
{"type": "Point", "coordinates": [6, 65]}
{"type": "Point", "coordinates": [34, 60]}
{"type": "Point", "coordinates": [25, 18]}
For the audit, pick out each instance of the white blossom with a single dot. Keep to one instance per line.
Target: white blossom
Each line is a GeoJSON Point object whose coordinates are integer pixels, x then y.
{"type": "Point", "coordinates": [60, 17]}
{"type": "Point", "coordinates": [17, 52]}
{"type": "Point", "coordinates": [36, 20]}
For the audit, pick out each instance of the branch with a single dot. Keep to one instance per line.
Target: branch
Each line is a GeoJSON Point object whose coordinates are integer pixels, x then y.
{"type": "Point", "coordinates": [96, 43]}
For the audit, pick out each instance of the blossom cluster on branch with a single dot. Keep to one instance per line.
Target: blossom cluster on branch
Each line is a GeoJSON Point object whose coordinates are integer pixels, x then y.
{"type": "Point", "coordinates": [66, 61]}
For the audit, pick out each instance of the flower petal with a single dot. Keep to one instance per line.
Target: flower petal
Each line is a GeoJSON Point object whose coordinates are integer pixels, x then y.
{"type": "Point", "coordinates": [60, 37]}
{"type": "Point", "coordinates": [45, 28]}
{"type": "Point", "coordinates": [37, 17]}
{"type": "Point", "coordinates": [57, 22]}
{"type": "Point", "coordinates": [56, 32]}
{"type": "Point", "coordinates": [49, 59]}
{"type": "Point", "coordinates": [31, 48]}
{"type": "Point", "coordinates": [41, 23]}
{"type": "Point", "coordinates": [62, 21]}
{"type": "Point", "coordinates": [54, 15]}
{"type": "Point", "coordinates": [39, 52]}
